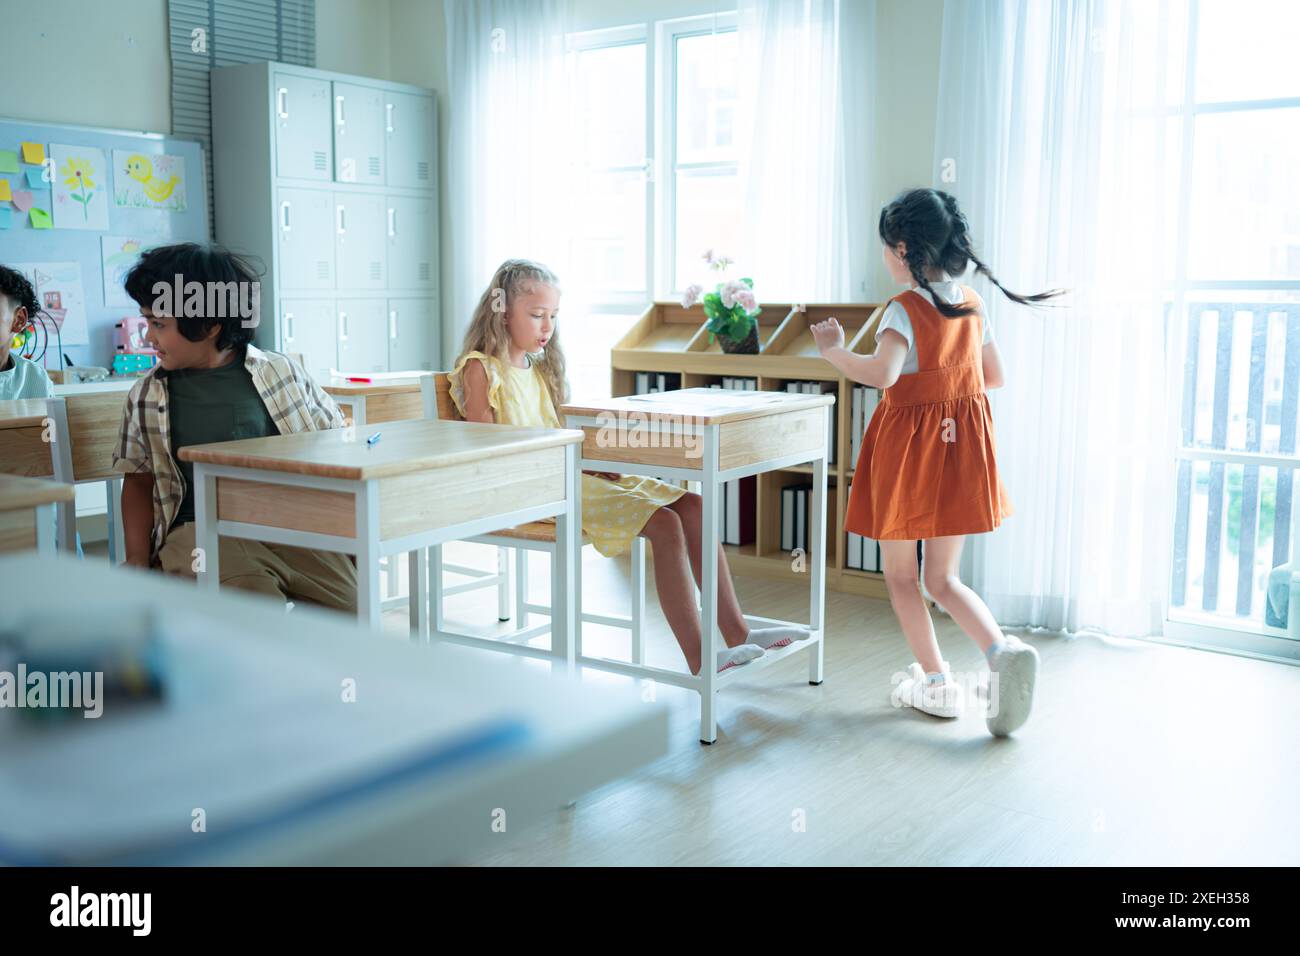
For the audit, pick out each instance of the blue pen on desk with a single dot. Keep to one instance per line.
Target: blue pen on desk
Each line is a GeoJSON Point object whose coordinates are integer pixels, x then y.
{"type": "Point", "coordinates": [373, 438]}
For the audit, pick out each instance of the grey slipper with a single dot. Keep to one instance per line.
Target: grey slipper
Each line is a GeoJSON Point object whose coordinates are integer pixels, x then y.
{"type": "Point", "coordinates": [1016, 667]}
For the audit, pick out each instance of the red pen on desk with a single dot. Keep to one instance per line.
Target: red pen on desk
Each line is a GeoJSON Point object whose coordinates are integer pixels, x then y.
{"type": "Point", "coordinates": [356, 378]}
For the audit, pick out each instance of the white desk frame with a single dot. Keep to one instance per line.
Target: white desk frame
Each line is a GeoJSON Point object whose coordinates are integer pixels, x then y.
{"type": "Point", "coordinates": [367, 547]}
{"type": "Point", "coordinates": [711, 477]}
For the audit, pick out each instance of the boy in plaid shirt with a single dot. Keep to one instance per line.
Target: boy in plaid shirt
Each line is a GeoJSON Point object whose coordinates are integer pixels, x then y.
{"type": "Point", "coordinates": [212, 384]}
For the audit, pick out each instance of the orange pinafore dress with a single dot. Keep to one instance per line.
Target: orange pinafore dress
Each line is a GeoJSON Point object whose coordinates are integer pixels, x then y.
{"type": "Point", "coordinates": [928, 466]}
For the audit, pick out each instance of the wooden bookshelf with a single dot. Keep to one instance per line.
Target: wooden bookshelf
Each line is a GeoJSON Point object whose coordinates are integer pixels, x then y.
{"type": "Point", "coordinates": [668, 338]}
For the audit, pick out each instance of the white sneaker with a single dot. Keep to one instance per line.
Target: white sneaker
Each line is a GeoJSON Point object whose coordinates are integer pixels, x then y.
{"type": "Point", "coordinates": [1016, 670]}
{"type": "Point", "coordinates": [942, 699]}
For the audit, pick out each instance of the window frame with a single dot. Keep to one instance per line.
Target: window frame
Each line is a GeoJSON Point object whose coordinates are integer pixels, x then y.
{"type": "Point", "coordinates": [1182, 626]}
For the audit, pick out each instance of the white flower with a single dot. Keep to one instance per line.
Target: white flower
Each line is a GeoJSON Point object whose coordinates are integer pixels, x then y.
{"type": "Point", "coordinates": [731, 291]}
{"type": "Point", "coordinates": [747, 300]}
{"type": "Point", "coordinates": [691, 295]}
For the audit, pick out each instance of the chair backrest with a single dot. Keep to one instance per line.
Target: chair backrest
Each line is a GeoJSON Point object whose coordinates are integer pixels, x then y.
{"type": "Point", "coordinates": [92, 422]}
{"type": "Point", "coordinates": [436, 392]}
{"type": "Point", "coordinates": [24, 438]}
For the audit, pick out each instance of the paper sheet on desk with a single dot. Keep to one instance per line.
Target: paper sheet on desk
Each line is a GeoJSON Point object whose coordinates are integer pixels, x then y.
{"type": "Point", "coordinates": [254, 733]}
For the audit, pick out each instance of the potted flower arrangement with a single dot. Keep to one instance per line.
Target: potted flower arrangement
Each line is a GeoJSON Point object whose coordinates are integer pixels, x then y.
{"type": "Point", "coordinates": [731, 308]}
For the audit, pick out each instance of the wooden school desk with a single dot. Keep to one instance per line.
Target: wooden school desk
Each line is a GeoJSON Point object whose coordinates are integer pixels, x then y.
{"type": "Point", "coordinates": [27, 512]}
{"type": "Point", "coordinates": [386, 400]}
{"type": "Point", "coordinates": [713, 436]}
{"type": "Point", "coordinates": [315, 747]}
{"type": "Point", "coordinates": [24, 438]}
{"type": "Point", "coordinates": [424, 483]}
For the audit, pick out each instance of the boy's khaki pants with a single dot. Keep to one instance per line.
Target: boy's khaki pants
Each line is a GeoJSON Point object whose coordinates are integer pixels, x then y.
{"type": "Point", "coordinates": [276, 570]}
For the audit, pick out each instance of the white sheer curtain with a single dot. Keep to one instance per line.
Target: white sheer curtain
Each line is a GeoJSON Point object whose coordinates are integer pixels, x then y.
{"type": "Point", "coordinates": [806, 93]}
{"type": "Point", "coordinates": [506, 150]}
{"type": "Point", "coordinates": [1065, 185]}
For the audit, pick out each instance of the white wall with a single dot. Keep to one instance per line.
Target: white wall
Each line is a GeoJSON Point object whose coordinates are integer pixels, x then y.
{"type": "Point", "coordinates": [62, 54]}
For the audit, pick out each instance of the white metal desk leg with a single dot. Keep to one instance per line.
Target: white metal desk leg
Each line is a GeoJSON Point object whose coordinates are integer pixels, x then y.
{"type": "Point", "coordinates": [817, 598]}
{"type": "Point", "coordinates": [503, 584]}
{"type": "Point", "coordinates": [46, 529]}
{"type": "Point", "coordinates": [709, 587]}
{"type": "Point", "coordinates": [116, 534]}
{"type": "Point", "coordinates": [205, 528]}
{"type": "Point", "coordinates": [564, 600]}
{"type": "Point", "coordinates": [638, 600]}
{"type": "Point", "coordinates": [369, 599]}
{"type": "Point", "coordinates": [435, 573]}
{"type": "Point", "coordinates": [418, 570]}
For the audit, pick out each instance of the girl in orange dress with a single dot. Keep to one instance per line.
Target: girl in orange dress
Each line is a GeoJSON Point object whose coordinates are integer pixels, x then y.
{"type": "Point", "coordinates": [928, 469]}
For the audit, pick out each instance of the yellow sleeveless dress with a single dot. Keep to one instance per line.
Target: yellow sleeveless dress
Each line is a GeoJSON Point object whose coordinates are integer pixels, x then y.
{"type": "Point", "coordinates": [613, 512]}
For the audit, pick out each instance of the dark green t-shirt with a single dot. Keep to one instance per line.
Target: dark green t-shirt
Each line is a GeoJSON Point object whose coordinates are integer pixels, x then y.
{"type": "Point", "coordinates": [210, 405]}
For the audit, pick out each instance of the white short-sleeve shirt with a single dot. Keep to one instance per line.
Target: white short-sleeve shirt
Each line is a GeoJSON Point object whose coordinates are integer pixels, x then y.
{"type": "Point", "coordinates": [896, 317]}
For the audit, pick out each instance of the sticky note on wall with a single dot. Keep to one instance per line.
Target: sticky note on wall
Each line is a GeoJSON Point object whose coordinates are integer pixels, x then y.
{"type": "Point", "coordinates": [4, 190]}
{"type": "Point", "coordinates": [35, 178]}
{"type": "Point", "coordinates": [40, 219]}
{"type": "Point", "coordinates": [22, 200]}
{"type": "Point", "coordinates": [5, 216]}
{"type": "Point", "coordinates": [33, 153]}
{"type": "Point", "coordinates": [8, 161]}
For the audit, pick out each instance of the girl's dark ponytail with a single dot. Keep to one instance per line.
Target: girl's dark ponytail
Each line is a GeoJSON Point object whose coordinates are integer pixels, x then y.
{"type": "Point", "coordinates": [937, 236]}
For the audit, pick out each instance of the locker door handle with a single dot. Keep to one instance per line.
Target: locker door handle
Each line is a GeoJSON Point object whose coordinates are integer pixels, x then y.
{"type": "Point", "coordinates": [343, 326]}
{"type": "Point", "coordinates": [284, 215]}
{"type": "Point", "coordinates": [388, 116]}
{"type": "Point", "coordinates": [392, 221]}
{"type": "Point", "coordinates": [392, 324]}
{"type": "Point", "coordinates": [282, 102]}
{"type": "Point", "coordinates": [340, 219]}
{"type": "Point", "coordinates": [338, 110]}
{"type": "Point", "coordinates": [288, 326]}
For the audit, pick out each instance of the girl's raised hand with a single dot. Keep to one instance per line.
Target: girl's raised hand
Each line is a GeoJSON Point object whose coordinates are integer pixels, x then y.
{"type": "Point", "coordinates": [828, 334]}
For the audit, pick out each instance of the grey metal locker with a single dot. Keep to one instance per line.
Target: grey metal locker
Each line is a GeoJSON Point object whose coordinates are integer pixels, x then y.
{"type": "Point", "coordinates": [412, 243]}
{"type": "Point", "coordinates": [359, 243]}
{"type": "Point", "coordinates": [411, 129]}
{"type": "Point", "coordinates": [309, 328]}
{"type": "Point", "coordinates": [359, 134]}
{"type": "Point", "coordinates": [363, 335]}
{"type": "Point", "coordinates": [279, 196]}
{"type": "Point", "coordinates": [305, 228]}
{"type": "Point", "coordinates": [413, 334]}
{"type": "Point", "coordinates": [304, 141]}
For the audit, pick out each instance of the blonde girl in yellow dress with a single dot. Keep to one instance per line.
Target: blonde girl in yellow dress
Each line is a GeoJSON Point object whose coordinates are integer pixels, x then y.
{"type": "Point", "coordinates": [511, 372]}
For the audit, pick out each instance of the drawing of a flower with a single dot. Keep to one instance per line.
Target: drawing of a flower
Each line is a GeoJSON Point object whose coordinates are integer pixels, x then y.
{"type": "Point", "coordinates": [78, 175]}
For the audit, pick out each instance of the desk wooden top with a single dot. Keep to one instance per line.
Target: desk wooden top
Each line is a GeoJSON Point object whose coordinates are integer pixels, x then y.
{"type": "Point", "coordinates": [705, 406]}
{"type": "Point", "coordinates": [406, 447]}
{"type": "Point", "coordinates": [385, 387]}
{"type": "Point", "coordinates": [22, 412]}
{"type": "Point", "coordinates": [20, 492]}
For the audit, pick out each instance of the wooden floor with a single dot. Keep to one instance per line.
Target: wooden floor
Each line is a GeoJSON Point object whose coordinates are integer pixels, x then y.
{"type": "Point", "coordinates": [1136, 754]}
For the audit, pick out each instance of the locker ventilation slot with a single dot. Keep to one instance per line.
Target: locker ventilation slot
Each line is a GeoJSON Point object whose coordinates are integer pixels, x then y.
{"type": "Point", "coordinates": [376, 271]}
{"type": "Point", "coordinates": [374, 167]}
{"type": "Point", "coordinates": [422, 171]}
{"type": "Point", "coordinates": [322, 269]}
{"type": "Point", "coordinates": [423, 272]}
{"type": "Point", "coordinates": [318, 160]}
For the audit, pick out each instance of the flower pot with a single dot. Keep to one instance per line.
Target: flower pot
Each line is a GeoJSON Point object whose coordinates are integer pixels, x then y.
{"type": "Point", "coordinates": [746, 346]}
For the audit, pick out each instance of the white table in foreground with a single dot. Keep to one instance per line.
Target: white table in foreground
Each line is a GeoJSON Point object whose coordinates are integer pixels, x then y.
{"type": "Point", "coordinates": [441, 752]}
{"type": "Point", "coordinates": [424, 483]}
{"type": "Point", "coordinates": [714, 436]}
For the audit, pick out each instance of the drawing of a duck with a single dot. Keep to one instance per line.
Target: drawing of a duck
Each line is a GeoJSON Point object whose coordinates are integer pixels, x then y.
{"type": "Point", "coordinates": [139, 168]}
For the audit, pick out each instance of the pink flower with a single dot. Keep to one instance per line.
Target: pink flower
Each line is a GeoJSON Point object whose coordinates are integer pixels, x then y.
{"type": "Point", "coordinates": [731, 291]}
{"type": "Point", "coordinates": [717, 260]}
{"type": "Point", "coordinates": [691, 295]}
{"type": "Point", "coordinates": [747, 300]}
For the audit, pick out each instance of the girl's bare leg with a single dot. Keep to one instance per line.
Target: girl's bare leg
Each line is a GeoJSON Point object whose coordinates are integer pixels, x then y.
{"type": "Point", "coordinates": [902, 579]}
{"type": "Point", "coordinates": [966, 607]}
{"type": "Point", "coordinates": [731, 620]}
{"type": "Point", "coordinates": [673, 582]}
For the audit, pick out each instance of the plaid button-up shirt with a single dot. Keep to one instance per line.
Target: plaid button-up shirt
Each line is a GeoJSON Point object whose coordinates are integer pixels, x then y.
{"type": "Point", "coordinates": [292, 398]}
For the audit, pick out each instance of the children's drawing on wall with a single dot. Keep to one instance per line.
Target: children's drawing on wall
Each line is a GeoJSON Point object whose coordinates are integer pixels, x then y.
{"type": "Point", "coordinates": [80, 187]}
{"type": "Point", "coordinates": [119, 255]}
{"type": "Point", "coordinates": [61, 297]}
{"type": "Point", "coordinates": [142, 181]}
